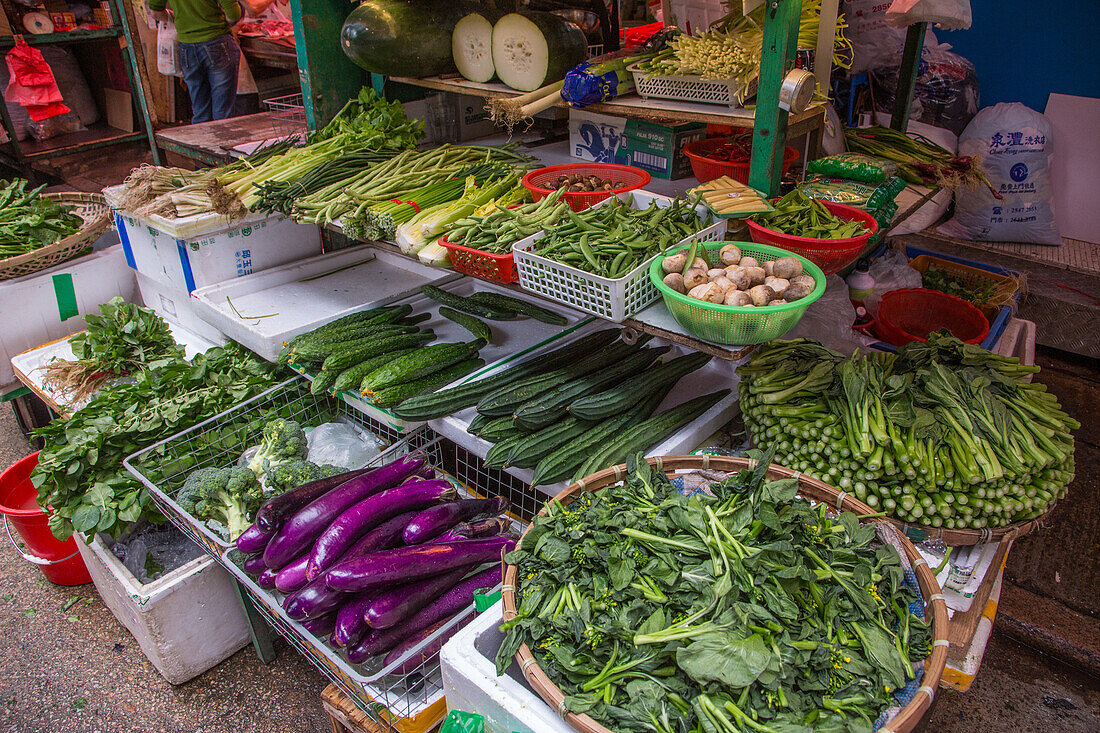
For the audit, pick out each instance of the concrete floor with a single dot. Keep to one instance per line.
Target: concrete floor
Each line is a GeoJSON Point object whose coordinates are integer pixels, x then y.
{"type": "Point", "coordinates": [77, 670]}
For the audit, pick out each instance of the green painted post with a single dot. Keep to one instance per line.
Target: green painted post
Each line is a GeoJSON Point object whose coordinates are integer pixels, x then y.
{"type": "Point", "coordinates": [328, 77]}
{"type": "Point", "coordinates": [134, 74]}
{"type": "Point", "coordinates": [769, 136]}
{"type": "Point", "coordinates": [907, 76]}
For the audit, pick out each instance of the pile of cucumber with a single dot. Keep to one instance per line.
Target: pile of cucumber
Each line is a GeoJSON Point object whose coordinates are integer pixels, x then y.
{"type": "Point", "coordinates": [384, 354]}
{"type": "Point", "coordinates": [573, 411]}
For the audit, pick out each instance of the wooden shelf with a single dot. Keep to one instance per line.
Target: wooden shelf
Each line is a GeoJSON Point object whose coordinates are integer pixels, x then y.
{"type": "Point", "coordinates": [45, 39]}
{"type": "Point", "coordinates": [96, 136]}
{"type": "Point", "coordinates": [656, 110]}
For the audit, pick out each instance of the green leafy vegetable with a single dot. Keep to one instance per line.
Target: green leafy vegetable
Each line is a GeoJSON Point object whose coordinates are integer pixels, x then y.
{"type": "Point", "coordinates": [30, 221]}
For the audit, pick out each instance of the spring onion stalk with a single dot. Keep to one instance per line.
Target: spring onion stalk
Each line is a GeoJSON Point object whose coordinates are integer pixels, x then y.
{"type": "Point", "coordinates": [920, 161]}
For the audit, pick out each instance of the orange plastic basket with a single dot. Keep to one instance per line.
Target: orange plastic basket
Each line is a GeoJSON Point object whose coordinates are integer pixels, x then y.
{"type": "Point", "coordinates": [831, 255]}
{"type": "Point", "coordinates": [488, 266]}
{"type": "Point", "coordinates": [707, 169]}
{"type": "Point", "coordinates": [537, 181]}
{"type": "Point", "coordinates": [913, 313]}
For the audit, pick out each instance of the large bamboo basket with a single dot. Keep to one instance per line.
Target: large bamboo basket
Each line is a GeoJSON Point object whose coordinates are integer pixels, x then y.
{"type": "Point", "coordinates": [960, 537]}
{"type": "Point", "coordinates": [92, 208]}
{"type": "Point", "coordinates": [935, 606]}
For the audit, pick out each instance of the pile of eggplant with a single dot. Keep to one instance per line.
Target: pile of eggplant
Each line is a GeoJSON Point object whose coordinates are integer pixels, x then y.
{"type": "Point", "coordinates": [378, 560]}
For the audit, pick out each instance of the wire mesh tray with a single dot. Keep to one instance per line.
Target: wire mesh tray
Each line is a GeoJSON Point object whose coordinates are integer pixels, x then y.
{"type": "Point", "coordinates": [219, 441]}
{"type": "Point", "coordinates": [689, 88]}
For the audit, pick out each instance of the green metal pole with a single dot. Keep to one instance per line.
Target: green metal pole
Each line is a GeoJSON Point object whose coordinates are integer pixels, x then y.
{"type": "Point", "coordinates": [137, 89]}
{"type": "Point", "coordinates": [328, 77]}
{"type": "Point", "coordinates": [907, 76]}
{"type": "Point", "coordinates": [770, 126]}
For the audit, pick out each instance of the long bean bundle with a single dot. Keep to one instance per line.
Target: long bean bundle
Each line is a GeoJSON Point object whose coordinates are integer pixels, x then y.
{"type": "Point", "coordinates": [943, 433]}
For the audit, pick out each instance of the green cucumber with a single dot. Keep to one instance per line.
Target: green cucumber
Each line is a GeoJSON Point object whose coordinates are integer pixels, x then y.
{"type": "Point", "coordinates": [317, 349]}
{"type": "Point", "coordinates": [629, 392]}
{"type": "Point", "coordinates": [413, 320]}
{"type": "Point", "coordinates": [523, 307]}
{"type": "Point", "coordinates": [561, 464]}
{"type": "Point", "coordinates": [497, 456]}
{"type": "Point", "coordinates": [540, 444]}
{"type": "Point", "coordinates": [552, 405]}
{"type": "Point", "coordinates": [479, 422]}
{"type": "Point", "coordinates": [419, 364]}
{"type": "Point", "coordinates": [456, 399]}
{"type": "Point", "coordinates": [465, 304]}
{"type": "Point", "coordinates": [322, 383]}
{"type": "Point", "coordinates": [478, 328]}
{"type": "Point", "coordinates": [648, 432]}
{"type": "Point", "coordinates": [352, 377]}
{"type": "Point", "coordinates": [398, 393]}
{"type": "Point", "coordinates": [506, 400]}
{"type": "Point", "coordinates": [354, 352]}
{"type": "Point", "coordinates": [375, 316]}
{"type": "Point", "coordinates": [500, 428]}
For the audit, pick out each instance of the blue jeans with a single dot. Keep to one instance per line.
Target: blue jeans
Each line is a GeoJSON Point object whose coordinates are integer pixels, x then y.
{"type": "Point", "coordinates": [210, 72]}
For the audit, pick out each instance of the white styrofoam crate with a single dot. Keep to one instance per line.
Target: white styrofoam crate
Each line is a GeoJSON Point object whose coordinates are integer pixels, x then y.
{"type": "Point", "coordinates": [471, 684]}
{"type": "Point", "coordinates": [717, 374]}
{"type": "Point", "coordinates": [31, 310]}
{"type": "Point", "coordinates": [193, 251]}
{"type": "Point", "coordinates": [176, 305]}
{"type": "Point", "coordinates": [300, 296]}
{"type": "Point", "coordinates": [613, 299]}
{"type": "Point", "coordinates": [511, 339]}
{"type": "Point", "coordinates": [185, 622]}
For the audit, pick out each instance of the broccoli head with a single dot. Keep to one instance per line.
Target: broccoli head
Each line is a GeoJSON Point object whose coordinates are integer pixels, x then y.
{"type": "Point", "coordinates": [283, 441]}
{"type": "Point", "coordinates": [287, 476]}
{"type": "Point", "coordinates": [228, 495]}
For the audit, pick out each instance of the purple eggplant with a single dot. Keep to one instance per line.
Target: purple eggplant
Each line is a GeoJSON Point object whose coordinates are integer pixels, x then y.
{"type": "Point", "coordinates": [293, 576]}
{"type": "Point", "coordinates": [435, 520]}
{"type": "Point", "coordinates": [406, 564]}
{"type": "Point", "coordinates": [276, 509]}
{"type": "Point", "coordinates": [383, 537]}
{"type": "Point", "coordinates": [395, 605]}
{"type": "Point", "coordinates": [350, 623]}
{"type": "Point", "coordinates": [266, 579]}
{"type": "Point", "coordinates": [430, 650]}
{"type": "Point", "coordinates": [254, 565]}
{"type": "Point", "coordinates": [301, 529]}
{"type": "Point", "coordinates": [253, 540]}
{"type": "Point", "coordinates": [368, 514]}
{"type": "Point", "coordinates": [453, 601]}
{"type": "Point", "coordinates": [425, 472]}
{"type": "Point", "coordinates": [321, 626]}
{"type": "Point", "coordinates": [476, 528]}
{"type": "Point", "coordinates": [314, 600]}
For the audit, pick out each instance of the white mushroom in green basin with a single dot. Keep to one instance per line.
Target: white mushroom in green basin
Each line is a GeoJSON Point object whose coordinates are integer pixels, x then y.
{"type": "Point", "coordinates": [778, 284]}
{"type": "Point", "coordinates": [724, 283]}
{"type": "Point", "coordinates": [674, 263]}
{"type": "Point", "coordinates": [738, 298]}
{"type": "Point", "coordinates": [755, 274]}
{"type": "Point", "coordinates": [761, 295]}
{"type": "Point", "coordinates": [675, 281]}
{"type": "Point", "coordinates": [747, 261]}
{"type": "Point", "coordinates": [708, 292]}
{"type": "Point", "coordinates": [730, 254]}
{"type": "Point", "coordinates": [716, 272]}
{"type": "Point", "coordinates": [739, 277]}
{"type": "Point", "coordinates": [787, 268]}
{"type": "Point", "coordinates": [806, 280]}
{"type": "Point", "coordinates": [797, 291]}
{"type": "Point", "coordinates": [769, 268]}
{"type": "Point", "coordinates": [695, 277]}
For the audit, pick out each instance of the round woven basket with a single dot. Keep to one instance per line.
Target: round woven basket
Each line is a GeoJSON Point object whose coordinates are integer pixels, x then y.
{"type": "Point", "coordinates": [960, 537]}
{"type": "Point", "coordinates": [92, 208]}
{"type": "Point", "coordinates": [935, 607]}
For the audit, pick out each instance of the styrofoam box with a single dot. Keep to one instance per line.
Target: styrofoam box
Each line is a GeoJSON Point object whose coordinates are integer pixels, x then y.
{"type": "Point", "coordinates": [203, 249]}
{"type": "Point", "coordinates": [31, 311]}
{"type": "Point", "coordinates": [176, 305]}
{"type": "Point", "coordinates": [598, 138]}
{"type": "Point", "coordinates": [470, 681]}
{"type": "Point", "coordinates": [185, 622]}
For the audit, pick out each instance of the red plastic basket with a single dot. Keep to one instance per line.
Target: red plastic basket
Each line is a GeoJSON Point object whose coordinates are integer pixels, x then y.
{"type": "Point", "coordinates": [831, 255]}
{"type": "Point", "coordinates": [911, 314]}
{"type": "Point", "coordinates": [632, 178]}
{"type": "Point", "coordinates": [488, 266]}
{"type": "Point", "coordinates": [707, 169]}
{"type": "Point", "coordinates": [638, 35]}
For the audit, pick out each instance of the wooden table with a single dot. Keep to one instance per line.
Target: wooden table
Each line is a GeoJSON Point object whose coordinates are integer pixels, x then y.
{"type": "Point", "coordinates": [209, 143]}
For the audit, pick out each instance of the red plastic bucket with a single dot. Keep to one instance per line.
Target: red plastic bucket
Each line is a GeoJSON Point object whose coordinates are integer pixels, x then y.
{"type": "Point", "coordinates": [60, 562]}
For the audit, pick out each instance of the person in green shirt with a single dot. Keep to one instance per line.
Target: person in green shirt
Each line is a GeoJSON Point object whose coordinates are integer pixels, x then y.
{"type": "Point", "coordinates": [209, 53]}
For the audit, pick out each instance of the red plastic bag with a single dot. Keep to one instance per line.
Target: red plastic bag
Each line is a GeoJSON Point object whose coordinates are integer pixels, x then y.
{"type": "Point", "coordinates": [32, 84]}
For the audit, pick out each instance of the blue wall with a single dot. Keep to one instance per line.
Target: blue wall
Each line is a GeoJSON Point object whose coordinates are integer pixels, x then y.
{"type": "Point", "coordinates": [1024, 50]}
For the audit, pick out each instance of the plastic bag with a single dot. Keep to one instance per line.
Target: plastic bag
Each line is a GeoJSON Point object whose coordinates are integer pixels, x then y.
{"type": "Point", "coordinates": [168, 50]}
{"type": "Point", "coordinates": [61, 124]}
{"type": "Point", "coordinates": [946, 92]}
{"type": "Point", "coordinates": [1015, 145]}
{"type": "Point", "coordinates": [891, 272]}
{"type": "Point", "coordinates": [584, 87]}
{"type": "Point", "coordinates": [868, 196]}
{"type": "Point", "coordinates": [31, 83]}
{"type": "Point", "coordinates": [949, 15]}
{"type": "Point", "coordinates": [854, 166]}
{"type": "Point", "coordinates": [874, 42]}
{"type": "Point", "coordinates": [342, 444]}
{"type": "Point", "coordinates": [829, 319]}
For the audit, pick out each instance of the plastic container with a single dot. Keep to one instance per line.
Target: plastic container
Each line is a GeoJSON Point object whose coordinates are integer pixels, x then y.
{"type": "Point", "coordinates": [476, 262]}
{"type": "Point", "coordinates": [707, 169]}
{"type": "Point", "coordinates": [860, 283]}
{"type": "Point", "coordinates": [59, 561]}
{"type": "Point", "coordinates": [1005, 287]}
{"type": "Point", "coordinates": [615, 300]}
{"type": "Point", "coordinates": [742, 325]}
{"type": "Point", "coordinates": [689, 88]}
{"type": "Point", "coordinates": [913, 313]}
{"type": "Point", "coordinates": [537, 180]}
{"type": "Point", "coordinates": [831, 255]}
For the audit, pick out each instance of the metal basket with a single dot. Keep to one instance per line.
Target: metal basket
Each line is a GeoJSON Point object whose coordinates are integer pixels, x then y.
{"type": "Point", "coordinates": [288, 114]}
{"type": "Point", "coordinates": [689, 88]}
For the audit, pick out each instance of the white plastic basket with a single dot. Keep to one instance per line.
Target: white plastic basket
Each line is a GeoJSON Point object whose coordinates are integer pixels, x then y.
{"type": "Point", "coordinates": [616, 300]}
{"type": "Point", "coordinates": [688, 88]}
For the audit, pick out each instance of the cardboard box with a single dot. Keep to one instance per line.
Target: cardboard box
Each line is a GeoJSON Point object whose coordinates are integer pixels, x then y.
{"type": "Point", "coordinates": [659, 149]}
{"type": "Point", "coordinates": [597, 138]}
